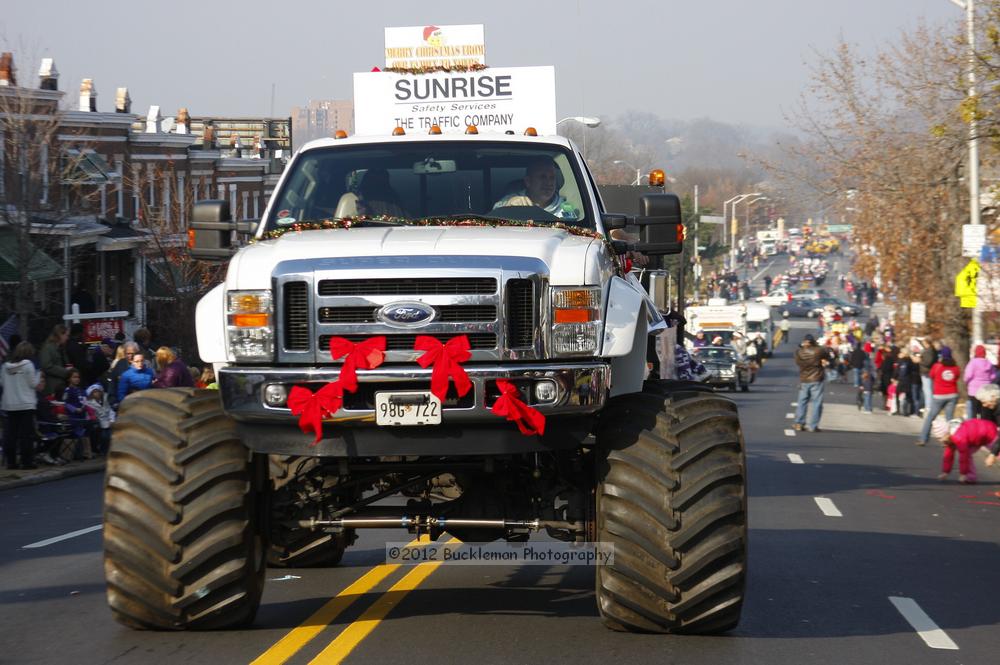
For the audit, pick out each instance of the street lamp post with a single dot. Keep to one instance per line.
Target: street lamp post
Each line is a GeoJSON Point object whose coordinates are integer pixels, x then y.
{"type": "Point", "coordinates": [638, 171]}
{"type": "Point", "coordinates": [973, 172]}
{"type": "Point", "coordinates": [735, 201]}
{"type": "Point", "coordinates": [589, 121]}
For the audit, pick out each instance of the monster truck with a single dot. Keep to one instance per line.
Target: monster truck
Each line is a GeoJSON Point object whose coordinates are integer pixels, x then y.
{"type": "Point", "coordinates": [375, 257]}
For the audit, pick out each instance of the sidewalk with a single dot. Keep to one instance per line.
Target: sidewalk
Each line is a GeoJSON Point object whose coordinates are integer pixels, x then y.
{"type": "Point", "coordinates": [11, 479]}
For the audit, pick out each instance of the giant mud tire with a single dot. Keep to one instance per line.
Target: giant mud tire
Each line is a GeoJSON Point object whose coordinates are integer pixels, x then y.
{"type": "Point", "coordinates": [671, 500]}
{"type": "Point", "coordinates": [298, 547]}
{"type": "Point", "coordinates": [182, 503]}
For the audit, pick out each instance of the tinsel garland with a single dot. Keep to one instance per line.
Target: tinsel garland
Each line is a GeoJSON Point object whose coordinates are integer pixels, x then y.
{"type": "Point", "coordinates": [350, 222]}
{"type": "Point", "coordinates": [435, 69]}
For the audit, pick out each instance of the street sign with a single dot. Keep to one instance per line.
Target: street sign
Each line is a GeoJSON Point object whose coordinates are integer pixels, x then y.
{"type": "Point", "coordinates": [918, 312]}
{"type": "Point", "coordinates": [712, 219]}
{"type": "Point", "coordinates": [973, 239]}
{"type": "Point", "coordinates": [965, 283]}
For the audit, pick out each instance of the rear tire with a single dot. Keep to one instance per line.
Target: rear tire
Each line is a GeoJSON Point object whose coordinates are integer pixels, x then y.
{"type": "Point", "coordinates": [182, 544]}
{"type": "Point", "coordinates": [671, 499]}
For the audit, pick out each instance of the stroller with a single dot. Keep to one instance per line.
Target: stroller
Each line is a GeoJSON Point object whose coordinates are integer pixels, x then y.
{"type": "Point", "coordinates": [56, 439]}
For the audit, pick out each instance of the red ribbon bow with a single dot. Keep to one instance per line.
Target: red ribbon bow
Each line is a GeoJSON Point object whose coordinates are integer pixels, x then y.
{"type": "Point", "coordinates": [367, 354]}
{"type": "Point", "coordinates": [446, 359]}
{"type": "Point", "coordinates": [529, 420]}
{"type": "Point", "coordinates": [310, 406]}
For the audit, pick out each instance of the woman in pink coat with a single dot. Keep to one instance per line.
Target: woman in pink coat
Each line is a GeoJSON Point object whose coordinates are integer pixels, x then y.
{"type": "Point", "coordinates": [978, 373]}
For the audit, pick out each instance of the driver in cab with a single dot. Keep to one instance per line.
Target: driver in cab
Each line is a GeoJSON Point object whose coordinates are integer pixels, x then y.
{"type": "Point", "coordinates": [541, 190]}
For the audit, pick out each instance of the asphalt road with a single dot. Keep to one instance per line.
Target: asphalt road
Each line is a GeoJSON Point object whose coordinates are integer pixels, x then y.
{"type": "Point", "coordinates": [823, 574]}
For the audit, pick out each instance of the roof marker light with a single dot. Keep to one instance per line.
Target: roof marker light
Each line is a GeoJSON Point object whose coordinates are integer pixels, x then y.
{"type": "Point", "coordinates": [657, 177]}
{"type": "Point", "coordinates": [340, 134]}
{"type": "Point", "coordinates": [398, 131]}
{"type": "Point", "coordinates": [471, 129]}
{"type": "Point", "coordinates": [531, 131]}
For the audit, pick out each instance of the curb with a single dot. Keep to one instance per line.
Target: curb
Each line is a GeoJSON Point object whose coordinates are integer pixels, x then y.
{"type": "Point", "coordinates": [67, 471]}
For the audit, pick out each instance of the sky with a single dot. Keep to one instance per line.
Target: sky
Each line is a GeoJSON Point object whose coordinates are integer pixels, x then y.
{"type": "Point", "coordinates": [737, 61]}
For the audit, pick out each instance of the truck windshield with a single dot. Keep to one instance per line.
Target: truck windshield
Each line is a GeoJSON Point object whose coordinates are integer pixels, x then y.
{"type": "Point", "coordinates": [402, 183]}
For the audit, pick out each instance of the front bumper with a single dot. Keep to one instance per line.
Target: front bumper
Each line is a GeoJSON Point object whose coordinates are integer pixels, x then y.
{"type": "Point", "coordinates": [468, 426]}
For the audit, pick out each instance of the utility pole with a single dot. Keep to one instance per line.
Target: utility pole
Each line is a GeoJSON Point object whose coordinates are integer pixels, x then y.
{"type": "Point", "coordinates": [697, 260]}
{"type": "Point", "coordinates": [973, 171]}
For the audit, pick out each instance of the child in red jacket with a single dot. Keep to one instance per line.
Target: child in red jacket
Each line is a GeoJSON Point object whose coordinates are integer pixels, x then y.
{"type": "Point", "coordinates": [967, 438]}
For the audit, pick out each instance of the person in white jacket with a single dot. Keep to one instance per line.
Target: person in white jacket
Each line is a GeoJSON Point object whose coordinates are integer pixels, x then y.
{"type": "Point", "coordinates": [20, 380]}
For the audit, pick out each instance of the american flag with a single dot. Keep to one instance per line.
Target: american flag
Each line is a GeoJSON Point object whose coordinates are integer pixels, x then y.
{"type": "Point", "coordinates": [6, 330]}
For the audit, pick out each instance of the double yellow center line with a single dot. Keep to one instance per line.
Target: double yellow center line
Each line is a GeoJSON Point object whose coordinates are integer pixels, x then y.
{"type": "Point", "coordinates": [352, 636]}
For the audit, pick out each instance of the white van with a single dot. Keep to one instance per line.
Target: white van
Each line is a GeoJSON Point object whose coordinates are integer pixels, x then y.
{"type": "Point", "coordinates": [760, 324]}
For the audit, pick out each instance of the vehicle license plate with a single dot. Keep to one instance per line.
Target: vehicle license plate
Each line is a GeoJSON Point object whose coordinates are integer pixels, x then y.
{"type": "Point", "coordinates": [407, 408]}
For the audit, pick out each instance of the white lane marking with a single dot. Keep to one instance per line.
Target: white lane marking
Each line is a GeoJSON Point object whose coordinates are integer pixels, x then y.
{"type": "Point", "coordinates": [789, 432]}
{"type": "Point", "coordinates": [65, 536]}
{"type": "Point", "coordinates": [763, 270]}
{"type": "Point", "coordinates": [827, 507]}
{"type": "Point", "coordinates": [928, 631]}
{"type": "Point", "coordinates": [789, 416]}
{"type": "Point", "coordinates": [795, 458]}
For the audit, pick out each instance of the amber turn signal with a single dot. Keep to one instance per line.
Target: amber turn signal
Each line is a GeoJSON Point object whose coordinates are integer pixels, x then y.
{"type": "Point", "coordinates": [190, 238]}
{"type": "Point", "coordinates": [249, 320]}
{"type": "Point", "coordinates": [573, 315]}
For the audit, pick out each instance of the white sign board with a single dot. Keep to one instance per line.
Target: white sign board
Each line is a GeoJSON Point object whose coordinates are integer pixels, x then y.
{"type": "Point", "coordinates": [973, 239]}
{"type": "Point", "coordinates": [432, 46]}
{"type": "Point", "coordinates": [494, 100]}
{"type": "Point", "coordinates": [712, 219]}
{"type": "Point", "coordinates": [918, 313]}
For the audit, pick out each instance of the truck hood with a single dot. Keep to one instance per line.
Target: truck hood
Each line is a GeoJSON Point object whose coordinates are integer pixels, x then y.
{"type": "Point", "coordinates": [569, 257]}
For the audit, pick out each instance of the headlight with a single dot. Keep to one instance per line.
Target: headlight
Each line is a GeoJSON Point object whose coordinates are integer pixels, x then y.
{"type": "Point", "coordinates": [576, 320]}
{"type": "Point", "coordinates": [249, 325]}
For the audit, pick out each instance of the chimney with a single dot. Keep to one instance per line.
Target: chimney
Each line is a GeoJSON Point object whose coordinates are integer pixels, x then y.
{"type": "Point", "coordinates": [48, 75]}
{"type": "Point", "coordinates": [123, 103]}
{"type": "Point", "coordinates": [182, 123]}
{"type": "Point", "coordinates": [208, 136]}
{"type": "Point", "coordinates": [7, 70]}
{"type": "Point", "coordinates": [153, 120]}
{"type": "Point", "coordinates": [88, 95]}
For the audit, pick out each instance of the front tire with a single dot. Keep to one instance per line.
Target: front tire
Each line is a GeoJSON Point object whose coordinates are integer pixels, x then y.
{"type": "Point", "coordinates": [671, 499]}
{"type": "Point", "coordinates": [182, 544]}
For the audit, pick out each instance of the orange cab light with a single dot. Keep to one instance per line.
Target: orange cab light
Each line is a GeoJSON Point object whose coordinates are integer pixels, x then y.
{"type": "Point", "coordinates": [573, 315]}
{"type": "Point", "coordinates": [435, 130]}
{"type": "Point", "coordinates": [531, 131]}
{"type": "Point", "coordinates": [249, 320]}
{"type": "Point", "coordinates": [399, 131]}
{"type": "Point", "coordinates": [340, 134]}
{"type": "Point", "coordinates": [190, 238]}
{"type": "Point", "coordinates": [471, 129]}
{"type": "Point", "coordinates": [657, 177]}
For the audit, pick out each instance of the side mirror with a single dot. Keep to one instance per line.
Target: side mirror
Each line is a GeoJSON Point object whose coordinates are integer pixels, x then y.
{"type": "Point", "coordinates": [662, 230]}
{"type": "Point", "coordinates": [210, 231]}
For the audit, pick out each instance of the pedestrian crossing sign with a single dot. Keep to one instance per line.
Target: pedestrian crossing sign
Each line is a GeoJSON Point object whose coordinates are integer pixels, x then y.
{"type": "Point", "coordinates": [965, 283]}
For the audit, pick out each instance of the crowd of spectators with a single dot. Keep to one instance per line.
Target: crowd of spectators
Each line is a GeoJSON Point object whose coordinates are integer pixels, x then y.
{"type": "Point", "coordinates": [59, 404]}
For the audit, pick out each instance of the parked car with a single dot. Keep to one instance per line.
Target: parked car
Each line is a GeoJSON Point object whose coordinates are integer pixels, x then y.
{"type": "Point", "coordinates": [725, 367]}
{"type": "Point", "coordinates": [776, 298]}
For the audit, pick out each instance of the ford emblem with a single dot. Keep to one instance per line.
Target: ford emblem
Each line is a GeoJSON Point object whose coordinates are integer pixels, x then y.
{"type": "Point", "coordinates": [406, 314]}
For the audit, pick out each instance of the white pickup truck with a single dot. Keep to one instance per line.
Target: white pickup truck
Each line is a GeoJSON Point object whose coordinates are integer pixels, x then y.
{"type": "Point", "coordinates": [428, 316]}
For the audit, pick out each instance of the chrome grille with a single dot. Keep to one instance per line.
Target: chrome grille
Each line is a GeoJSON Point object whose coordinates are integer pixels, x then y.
{"type": "Point", "coordinates": [520, 318]}
{"type": "Point", "coordinates": [295, 310]}
{"type": "Point", "coordinates": [445, 314]}
{"type": "Point", "coordinates": [408, 286]}
{"type": "Point", "coordinates": [405, 342]}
